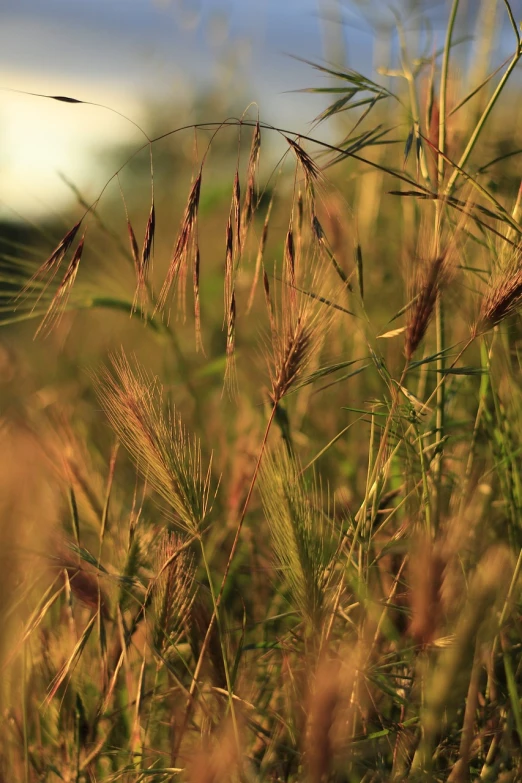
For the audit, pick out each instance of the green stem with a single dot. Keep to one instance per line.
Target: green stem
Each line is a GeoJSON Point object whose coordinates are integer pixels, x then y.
{"type": "Point", "coordinates": [482, 121]}
{"type": "Point", "coordinates": [444, 90]}
{"type": "Point", "coordinates": [438, 465]}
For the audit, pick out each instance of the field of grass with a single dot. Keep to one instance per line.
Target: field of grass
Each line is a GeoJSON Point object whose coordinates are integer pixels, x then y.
{"type": "Point", "coordinates": [261, 464]}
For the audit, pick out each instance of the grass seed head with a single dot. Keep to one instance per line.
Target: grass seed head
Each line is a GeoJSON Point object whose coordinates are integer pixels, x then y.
{"type": "Point", "coordinates": [504, 295]}
{"type": "Point", "coordinates": [169, 460]}
{"type": "Point", "coordinates": [186, 234]}
{"type": "Point", "coordinates": [430, 279]}
{"type": "Point", "coordinates": [173, 590]}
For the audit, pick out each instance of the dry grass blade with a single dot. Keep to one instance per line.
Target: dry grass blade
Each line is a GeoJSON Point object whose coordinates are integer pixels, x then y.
{"type": "Point", "coordinates": [157, 441]}
{"type": "Point", "coordinates": [321, 715]}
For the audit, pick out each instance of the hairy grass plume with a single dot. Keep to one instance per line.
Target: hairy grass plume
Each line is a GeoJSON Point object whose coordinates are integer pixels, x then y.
{"type": "Point", "coordinates": [302, 535]}
{"type": "Point", "coordinates": [504, 294]}
{"type": "Point", "coordinates": [157, 441]}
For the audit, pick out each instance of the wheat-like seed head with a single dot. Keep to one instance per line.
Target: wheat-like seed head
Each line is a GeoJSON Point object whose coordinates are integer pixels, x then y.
{"type": "Point", "coordinates": [156, 440]}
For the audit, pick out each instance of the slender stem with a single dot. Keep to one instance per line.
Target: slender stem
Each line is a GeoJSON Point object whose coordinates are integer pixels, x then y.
{"type": "Point", "coordinates": [444, 90]}
{"type": "Point", "coordinates": [438, 465]}
{"type": "Point", "coordinates": [482, 121]}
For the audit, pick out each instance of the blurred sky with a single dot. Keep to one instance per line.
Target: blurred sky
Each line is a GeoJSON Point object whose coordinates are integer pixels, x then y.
{"type": "Point", "coordinates": [125, 53]}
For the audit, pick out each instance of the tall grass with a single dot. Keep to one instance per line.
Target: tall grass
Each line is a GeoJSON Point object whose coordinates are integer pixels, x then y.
{"type": "Point", "coordinates": [282, 536]}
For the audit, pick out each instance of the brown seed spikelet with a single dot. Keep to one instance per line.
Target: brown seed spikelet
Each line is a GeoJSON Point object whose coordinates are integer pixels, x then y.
{"type": "Point", "coordinates": [133, 245]}
{"type": "Point", "coordinates": [186, 235]}
{"type": "Point", "coordinates": [61, 297]}
{"type": "Point", "coordinates": [230, 371]}
{"type": "Point", "coordinates": [504, 295]}
{"type": "Point", "coordinates": [229, 268]}
{"type": "Point", "coordinates": [229, 317]}
{"type": "Point", "coordinates": [427, 288]}
{"type": "Point", "coordinates": [291, 353]}
{"type": "Point", "coordinates": [148, 241]}
{"type": "Point", "coordinates": [260, 253]}
{"type": "Point", "coordinates": [250, 195]}
{"type": "Point", "coordinates": [52, 264]}
{"type": "Point", "coordinates": [290, 259]}
{"type": "Point", "coordinates": [310, 168]}
{"type": "Point", "coordinates": [298, 325]}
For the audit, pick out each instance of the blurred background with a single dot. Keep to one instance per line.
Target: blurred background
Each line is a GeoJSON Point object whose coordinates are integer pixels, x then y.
{"type": "Point", "coordinates": [143, 68]}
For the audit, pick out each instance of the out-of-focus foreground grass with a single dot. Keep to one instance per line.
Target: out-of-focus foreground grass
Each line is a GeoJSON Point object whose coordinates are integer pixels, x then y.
{"type": "Point", "coordinates": [261, 467]}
